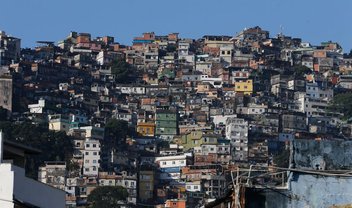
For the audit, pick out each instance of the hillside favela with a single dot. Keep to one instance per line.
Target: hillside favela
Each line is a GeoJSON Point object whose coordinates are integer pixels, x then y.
{"type": "Point", "coordinates": [247, 120]}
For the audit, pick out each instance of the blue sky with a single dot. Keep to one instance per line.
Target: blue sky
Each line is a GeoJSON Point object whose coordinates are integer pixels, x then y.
{"type": "Point", "coordinates": [312, 20]}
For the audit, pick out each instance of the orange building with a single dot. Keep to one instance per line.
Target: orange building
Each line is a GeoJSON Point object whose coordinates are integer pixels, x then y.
{"type": "Point", "coordinates": [83, 38]}
{"type": "Point", "coordinates": [175, 203]}
{"type": "Point", "coordinates": [146, 129]}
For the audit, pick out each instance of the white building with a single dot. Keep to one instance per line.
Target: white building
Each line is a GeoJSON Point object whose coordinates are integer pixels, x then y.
{"type": "Point", "coordinates": [37, 108]}
{"type": "Point", "coordinates": [132, 90]}
{"type": "Point", "coordinates": [91, 157]}
{"type": "Point", "coordinates": [170, 166]}
{"type": "Point", "coordinates": [319, 90]}
{"type": "Point", "coordinates": [215, 81]}
{"type": "Point", "coordinates": [226, 54]}
{"type": "Point", "coordinates": [193, 186]}
{"type": "Point", "coordinates": [252, 109]}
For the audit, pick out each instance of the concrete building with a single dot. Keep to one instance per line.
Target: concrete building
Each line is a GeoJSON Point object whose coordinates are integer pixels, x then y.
{"type": "Point", "coordinates": [237, 133]}
{"type": "Point", "coordinates": [319, 90]}
{"type": "Point", "coordinates": [10, 49]}
{"type": "Point", "coordinates": [6, 92]}
{"type": "Point", "coordinates": [53, 173]}
{"type": "Point", "coordinates": [146, 180]}
{"type": "Point", "coordinates": [129, 181]}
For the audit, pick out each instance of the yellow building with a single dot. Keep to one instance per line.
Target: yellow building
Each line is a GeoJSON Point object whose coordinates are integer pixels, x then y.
{"type": "Point", "coordinates": [59, 122]}
{"type": "Point", "coordinates": [146, 129]}
{"type": "Point", "coordinates": [203, 87]}
{"type": "Point", "coordinates": [245, 87]}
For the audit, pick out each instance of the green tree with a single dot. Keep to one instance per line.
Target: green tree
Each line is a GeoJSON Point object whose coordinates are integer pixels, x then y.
{"type": "Point", "coordinates": [55, 146]}
{"type": "Point", "coordinates": [300, 71]}
{"type": "Point", "coordinates": [3, 114]}
{"type": "Point", "coordinates": [282, 159]}
{"type": "Point", "coordinates": [116, 132]}
{"type": "Point", "coordinates": [107, 196]}
{"type": "Point", "coordinates": [122, 71]}
{"type": "Point", "coordinates": [342, 103]}
{"type": "Point", "coordinates": [171, 48]}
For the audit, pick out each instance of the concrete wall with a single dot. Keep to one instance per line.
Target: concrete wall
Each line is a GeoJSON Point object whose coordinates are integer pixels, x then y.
{"type": "Point", "coordinates": [308, 191]}
{"type": "Point", "coordinates": [328, 155]}
{"type": "Point", "coordinates": [317, 191]}
{"type": "Point", "coordinates": [6, 186]}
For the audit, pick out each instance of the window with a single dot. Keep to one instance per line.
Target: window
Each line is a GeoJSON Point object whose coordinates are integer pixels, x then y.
{"type": "Point", "coordinates": [164, 163]}
{"type": "Point", "coordinates": [87, 145]}
{"type": "Point", "coordinates": [87, 153]}
{"type": "Point", "coordinates": [86, 169]}
{"type": "Point", "coordinates": [173, 162]}
{"type": "Point", "coordinates": [94, 145]}
{"type": "Point", "coordinates": [95, 153]}
{"type": "Point", "coordinates": [195, 187]}
{"type": "Point", "coordinates": [86, 161]}
{"type": "Point", "coordinates": [94, 161]}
